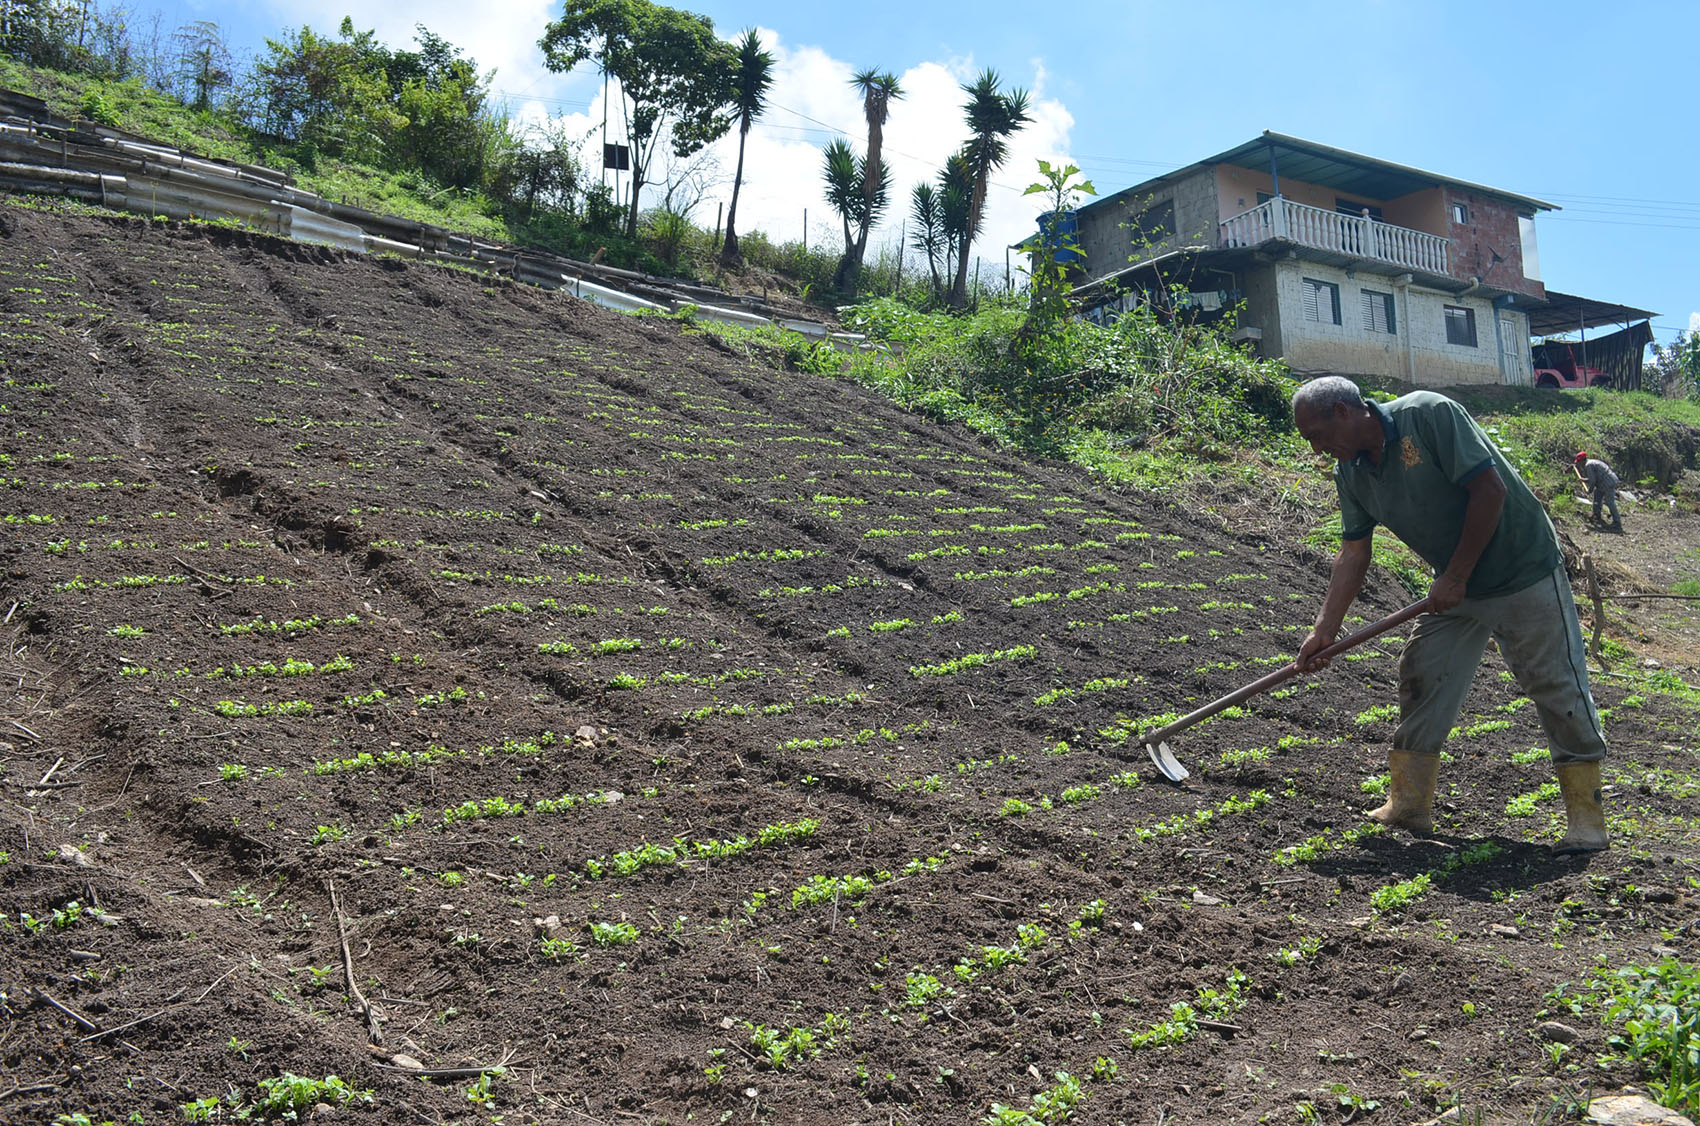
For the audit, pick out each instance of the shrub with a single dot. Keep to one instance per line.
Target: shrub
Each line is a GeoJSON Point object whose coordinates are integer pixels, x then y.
{"type": "Point", "coordinates": [1140, 380]}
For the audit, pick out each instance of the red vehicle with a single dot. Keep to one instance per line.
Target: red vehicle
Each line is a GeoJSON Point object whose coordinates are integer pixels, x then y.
{"type": "Point", "coordinates": [1557, 366]}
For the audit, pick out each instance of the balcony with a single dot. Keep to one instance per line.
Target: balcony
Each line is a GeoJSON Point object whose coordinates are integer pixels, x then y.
{"type": "Point", "coordinates": [1355, 238]}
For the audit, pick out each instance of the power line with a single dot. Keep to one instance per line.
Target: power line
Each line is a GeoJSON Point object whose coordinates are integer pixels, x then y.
{"type": "Point", "coordinates": [1623, 199]}
{"type": "Point", "coordinates": [837, 132]}
{"type": "Point", "coordinates": [1626, 223]}
{"type": "Point", "coordinates": [507, 95]}
{"type": "Point", "coordinates": [1132, 160]}
{"type": "Point", "coordinates": [1642, 213]}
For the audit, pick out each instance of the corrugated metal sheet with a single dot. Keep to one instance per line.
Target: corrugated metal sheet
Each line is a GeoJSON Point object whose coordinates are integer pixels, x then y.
{"type": "Point", "coordinates": [307, 226]}
{"type": "Point", "coordinates": [1618, 354]}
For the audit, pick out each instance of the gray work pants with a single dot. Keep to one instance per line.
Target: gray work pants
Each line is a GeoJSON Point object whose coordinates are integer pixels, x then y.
{"type": "Point", "coordinates": [1607, 494]}
{"type": "Point", "coordinates": [1541, 640]}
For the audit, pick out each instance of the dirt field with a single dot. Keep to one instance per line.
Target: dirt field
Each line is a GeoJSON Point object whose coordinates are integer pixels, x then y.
{"type": "Point", "coordinates": [702, 742]}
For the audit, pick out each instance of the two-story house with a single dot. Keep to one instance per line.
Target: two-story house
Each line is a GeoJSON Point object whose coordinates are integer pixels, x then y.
{"type": "Point", "coordinates": [1345, 263]}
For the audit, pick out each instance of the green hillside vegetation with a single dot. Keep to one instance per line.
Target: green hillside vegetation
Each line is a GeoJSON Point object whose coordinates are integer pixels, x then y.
{"type": "Point", "coordinates": [1649, 440]}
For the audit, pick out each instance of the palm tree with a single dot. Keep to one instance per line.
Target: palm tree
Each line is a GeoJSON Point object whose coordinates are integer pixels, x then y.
{"type": "Point", "coordinates": [846, 192]}
{"type": "Point", "coordinates": [878, 92]}
{"type": "Point", "coordinates": [926, 212]}
{"type": "Point", "coordinates": [993, 117]}
{"type": "Point", "coordinates": [956, 188]}
{"type": "Point", "coordinates": [750, 84]}
{"type": "Point", "coordinates": [843, 185]}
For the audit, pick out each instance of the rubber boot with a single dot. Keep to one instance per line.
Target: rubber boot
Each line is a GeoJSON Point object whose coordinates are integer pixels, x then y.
{"type": "Point", "coordinates": [1617, 526]}
{"type": "Point", "coordinates": [1580, 784]}
{"type": "Point", "coordinates": [1410, 798]}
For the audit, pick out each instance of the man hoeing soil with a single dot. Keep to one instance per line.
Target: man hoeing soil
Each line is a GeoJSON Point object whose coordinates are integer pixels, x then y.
{"type": "Point", "coordinates": [1602, 486]}
{"type": "Point", "coordinates": [1423, 469]}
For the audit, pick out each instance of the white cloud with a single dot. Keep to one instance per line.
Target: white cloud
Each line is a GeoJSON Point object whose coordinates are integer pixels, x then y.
{"type": "Point", "coordinates": [1694, 322]}
{"type": "Point", "coordinates": [812, 101]}
{"type": "Point", "coordinates": [925, 127]}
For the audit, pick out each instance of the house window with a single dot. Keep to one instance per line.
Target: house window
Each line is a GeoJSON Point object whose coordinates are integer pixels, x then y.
{"type": "Point", "coordinates": [1461, 213]}
{"type": "Point", "coordinates": [1460, 326]}
{"type": "Point", "coordinates": [1322, 301]}
{"type": "Point", "coordinates": [1378, 311]}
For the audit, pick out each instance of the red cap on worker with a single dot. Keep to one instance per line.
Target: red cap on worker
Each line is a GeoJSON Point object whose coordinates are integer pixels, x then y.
{"type": "Point", "coordinates": [1581, 455]}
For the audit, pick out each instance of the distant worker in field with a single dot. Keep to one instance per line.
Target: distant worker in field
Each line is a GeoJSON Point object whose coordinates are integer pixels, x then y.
{"type": "Point", "coordinates": [1421, 467]}
{"type": "Point", "coordinates": [1602, 486]}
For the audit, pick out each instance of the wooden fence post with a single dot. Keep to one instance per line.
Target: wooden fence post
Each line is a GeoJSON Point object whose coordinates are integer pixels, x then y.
{"type": "Point", "coordinates": [1599, 607]}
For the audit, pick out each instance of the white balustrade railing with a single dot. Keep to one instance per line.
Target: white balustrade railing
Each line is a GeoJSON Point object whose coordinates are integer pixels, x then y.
{"type": "Point", "coordinates": [1356, 236]}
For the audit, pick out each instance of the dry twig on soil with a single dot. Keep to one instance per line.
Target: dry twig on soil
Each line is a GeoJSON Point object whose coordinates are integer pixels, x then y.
{"type": "Point", "coordinates": [374, 1033]}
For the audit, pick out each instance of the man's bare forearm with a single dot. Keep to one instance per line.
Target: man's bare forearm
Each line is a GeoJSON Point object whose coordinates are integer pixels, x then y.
{"type": "Point", "coordinates": [1481, 520]}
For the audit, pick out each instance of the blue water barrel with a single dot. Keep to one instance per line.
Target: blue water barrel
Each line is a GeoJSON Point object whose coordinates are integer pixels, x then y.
{"type": "Point", "coordinates": [1062, 237]}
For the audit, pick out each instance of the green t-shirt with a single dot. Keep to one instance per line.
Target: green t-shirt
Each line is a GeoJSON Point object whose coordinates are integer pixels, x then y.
{"type": "Point", "coordinates": [1418, 493]}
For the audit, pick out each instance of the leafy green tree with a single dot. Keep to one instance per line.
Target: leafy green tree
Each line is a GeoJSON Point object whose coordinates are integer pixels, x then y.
{"type": "Point", "coordinates": [1676, 369]}
{"type": "Point", "coordinates": [546, 173]}
{"type": "Point", "coordinates": [750, 86]}
{"type": "Point", "coordinates": [878, 91]}
{"type": "Point", "coordinates": [675, 77]}
{"type": "Point", "coordinates": [993, 117]}
{"type": "Point", "coordinates": [446, 130]}
{"type": "Point", "coordinates": [21, 29]}
{"type": "Point", "coordinates": [68, 35]}
{"type": "Point", "coordinates": [1048, 298]}
{"type": "Point", "coordinates": [353, 97]}
{"type": "Point", "coordinates": [330, 95]}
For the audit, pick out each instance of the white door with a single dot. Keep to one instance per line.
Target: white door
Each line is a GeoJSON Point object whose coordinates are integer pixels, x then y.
{"type": "Point", "coordinates": [1515, 354]}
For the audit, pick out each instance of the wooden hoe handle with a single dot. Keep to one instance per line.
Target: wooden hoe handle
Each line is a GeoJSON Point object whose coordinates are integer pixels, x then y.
{"type": "Point", "coordinates": [1281, 675]}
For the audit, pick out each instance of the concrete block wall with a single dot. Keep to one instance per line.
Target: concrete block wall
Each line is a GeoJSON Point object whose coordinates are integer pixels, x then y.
{"type": "Point", "coordinates": [1263, 309]}
{"type": "Point", "coordinates": [1107, 238]}
{"type": "Point", "coordinates": [1417, 351]}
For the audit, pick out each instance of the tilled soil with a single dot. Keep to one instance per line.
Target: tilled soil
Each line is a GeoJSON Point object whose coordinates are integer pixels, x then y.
{"type": "Point", "coordinates": [405, 664]}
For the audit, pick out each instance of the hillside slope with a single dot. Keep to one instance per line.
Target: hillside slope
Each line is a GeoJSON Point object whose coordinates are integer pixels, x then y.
{"type": "Point", "coordinates": [694, 737]}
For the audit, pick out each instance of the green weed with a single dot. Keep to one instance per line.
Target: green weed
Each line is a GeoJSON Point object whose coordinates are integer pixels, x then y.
{"type": "Point", "coordinates": [1654, 1011]}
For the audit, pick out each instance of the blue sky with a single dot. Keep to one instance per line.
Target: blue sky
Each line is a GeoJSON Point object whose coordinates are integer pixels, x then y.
{"type": "Point", "coordinates": [1586, 106]}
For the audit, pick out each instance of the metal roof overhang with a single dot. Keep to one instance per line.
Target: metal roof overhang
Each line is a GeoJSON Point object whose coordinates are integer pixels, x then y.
{"type": "Point", "coordinates": [1156, 265]}
{"type": "Point", "coordinates": [1566, 312]}
{"type": "Point", "coordinates": [1349, 173]}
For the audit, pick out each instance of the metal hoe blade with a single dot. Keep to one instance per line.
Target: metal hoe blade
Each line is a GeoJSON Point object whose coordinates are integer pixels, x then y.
{"type": "Point", "coordinates": [1166, 762]}
{"type": "Point", "coordinates": [1156, 741]}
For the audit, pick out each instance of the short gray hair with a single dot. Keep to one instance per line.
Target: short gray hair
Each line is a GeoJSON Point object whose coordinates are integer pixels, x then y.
{"type": "Point", "coordinates": [1323, 394]}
